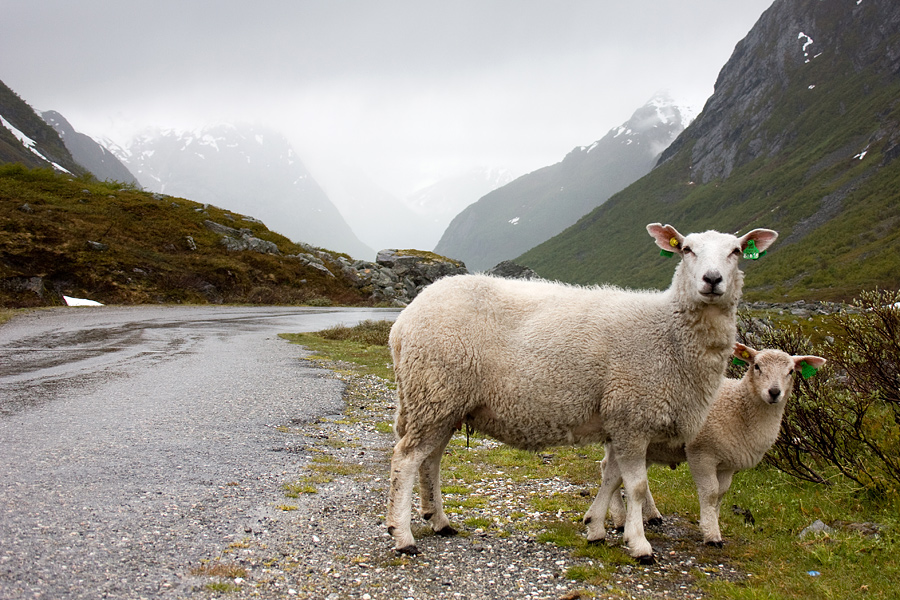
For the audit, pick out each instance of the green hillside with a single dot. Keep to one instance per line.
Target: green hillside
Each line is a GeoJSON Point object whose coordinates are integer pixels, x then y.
{"type": "Point", "coordinates": [114, 244]}
{"type": "Point", "coordinates": [814, 147]}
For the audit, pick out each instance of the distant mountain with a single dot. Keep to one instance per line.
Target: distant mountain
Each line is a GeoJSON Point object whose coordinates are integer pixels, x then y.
{"type": "Point", "coordinates": [801, 135]}
{"type": "Point", "coordinates": [87, 152]}
{"type": "Point", "coordinates": [537, 206]}
{"type": "Point", "coordinates": [386, 220]}
{"type": "Point", "coordinates": [25, 138]}
{"type": "Point", "coordinates": [246, 169]}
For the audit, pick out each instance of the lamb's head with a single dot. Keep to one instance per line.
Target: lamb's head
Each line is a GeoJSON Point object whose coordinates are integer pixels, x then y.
{"type": "Point", "coordinates": [708, 272]}
{"type": "Point", "coordinates": [770, 371]}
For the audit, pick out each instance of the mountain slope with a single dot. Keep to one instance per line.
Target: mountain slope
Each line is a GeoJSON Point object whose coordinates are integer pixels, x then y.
{"type": "Point", "coordinates": [87, 152]}
{"type": "Point", "coordinates": [118, 245]}
{"type": "Point", "coordinates": [801, 135]}
{"type": "Point", "coordinates": [541, 204]}
{"type": "Point", "coordinates": [25, 138]}
{"type": "Point", "coordinates": [246, 169]}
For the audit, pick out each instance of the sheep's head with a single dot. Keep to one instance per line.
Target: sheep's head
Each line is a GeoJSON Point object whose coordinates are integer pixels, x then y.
{"type": "Point", "coordinates": [709, 272]}
{"type": "Point", "coordinates": [770, 371]}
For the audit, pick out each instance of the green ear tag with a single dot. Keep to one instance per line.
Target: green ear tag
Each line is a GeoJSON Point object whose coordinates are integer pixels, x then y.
{"type": "Point", "coordinates": [738, 362]}
{"type": "Point", "coordinates": [666, 253]}
{"type": "Point", "coordinates": [750, 252]}
{"type": "Point", "coordinates": [806, 370]}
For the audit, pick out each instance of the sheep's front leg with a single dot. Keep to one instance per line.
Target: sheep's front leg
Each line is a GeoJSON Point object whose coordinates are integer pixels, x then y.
{"type": "Point", "coordinates": [607, 497]}
{"type": "Point", "coordinates": [430, 490]}
{"type": "Point", "coordinates": [703, 470]}
{"type": "Point", "coordinates": [633, 467]}
{"type": "Point", "coordinates": [404, 463]}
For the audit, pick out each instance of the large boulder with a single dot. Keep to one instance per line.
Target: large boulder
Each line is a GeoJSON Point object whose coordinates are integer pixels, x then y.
{"type": "Point", "coordinates": [397, 276]}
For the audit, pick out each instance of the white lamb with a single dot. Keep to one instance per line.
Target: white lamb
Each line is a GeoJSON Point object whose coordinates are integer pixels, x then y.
{"type": "Point", "coordinates": [742, 425]}
{"type": "Point", "coordinates": [537, 364]}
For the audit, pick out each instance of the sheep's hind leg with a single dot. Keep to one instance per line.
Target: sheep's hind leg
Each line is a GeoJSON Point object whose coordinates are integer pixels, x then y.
{"type": "Point", "coordinates": [430, 490]}
{"type": "Point", "coordinates": [595, 517]}
{"type": "Point", "coordinates": [406, 459]}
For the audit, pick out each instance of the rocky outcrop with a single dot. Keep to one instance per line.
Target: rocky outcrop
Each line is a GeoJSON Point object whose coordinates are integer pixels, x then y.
{"type": "Point", "coordinates": [236, 240]}
{"type": "Point", "coordinates": [397, 276]}
{"type": "Point", "coordinates": [512, 270]}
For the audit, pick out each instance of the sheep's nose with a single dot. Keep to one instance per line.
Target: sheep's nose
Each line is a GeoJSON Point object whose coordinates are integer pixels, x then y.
{"type": "Point", "coordinates": [713, 278]}
{"type": "Point", "coordinates": [774, 392]}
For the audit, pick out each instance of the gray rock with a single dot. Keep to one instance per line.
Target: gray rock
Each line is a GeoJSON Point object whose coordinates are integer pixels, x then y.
{"type": "Point", "coordinates": [816, 527]}
{"type": "Point", "coordinates": [97, 246]}
{"type": "Point", "coordinates": [511, 270]}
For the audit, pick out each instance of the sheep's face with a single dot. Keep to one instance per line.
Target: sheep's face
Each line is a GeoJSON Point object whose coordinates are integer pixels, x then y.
{"type": "Point", "coordinates": [770, 372]}
{"type": "Point", "coordinates": [709, 272]}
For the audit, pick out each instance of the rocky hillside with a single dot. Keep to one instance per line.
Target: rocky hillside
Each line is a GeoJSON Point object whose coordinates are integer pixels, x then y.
{"type": "Point", "coordinates": [115, 244]}
{"type": "Point", "coordinates": [800, 135]}
{"type": "Point", "coordinates": [537, 206]}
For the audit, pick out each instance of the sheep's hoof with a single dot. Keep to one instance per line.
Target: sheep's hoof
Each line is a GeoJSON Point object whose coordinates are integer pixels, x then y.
{"type": "Point", "coordinates": [717, 544]}
{"type": "Point", "coordinates": [647, 559]}
{"type": "Point", "coordinates": [410, 550]}
{"type": "Point", "coordinates": [446, 531]}
{"type": "Point", "coordinates": [655, 521]}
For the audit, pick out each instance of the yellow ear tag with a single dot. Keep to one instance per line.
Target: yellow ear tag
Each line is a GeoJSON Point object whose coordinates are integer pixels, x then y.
{"type": "Point", "coordinates": [673, 242]}
{"type": "Point", "coordinates": [745, 354]}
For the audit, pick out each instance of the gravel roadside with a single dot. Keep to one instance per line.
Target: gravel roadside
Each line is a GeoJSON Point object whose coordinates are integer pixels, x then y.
{"type": "Point", "coordinates": [332, 544]}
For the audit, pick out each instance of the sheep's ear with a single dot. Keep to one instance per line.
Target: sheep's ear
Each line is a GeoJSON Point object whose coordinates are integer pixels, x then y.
{"type": "Point", "coordinates": [667, 237]}
{"type": "Point", "coordinates": [743, 354]}
{"type": "Point", "coordinates": [762, 238]}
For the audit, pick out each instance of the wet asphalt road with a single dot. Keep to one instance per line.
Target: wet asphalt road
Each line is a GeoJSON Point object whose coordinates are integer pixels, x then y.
{"type": "Point", "coordinates": [136, 442]}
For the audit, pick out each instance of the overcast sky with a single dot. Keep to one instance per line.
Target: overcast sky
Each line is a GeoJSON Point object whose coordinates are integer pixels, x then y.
{"type": "Point", "coordinates": [407, 89]}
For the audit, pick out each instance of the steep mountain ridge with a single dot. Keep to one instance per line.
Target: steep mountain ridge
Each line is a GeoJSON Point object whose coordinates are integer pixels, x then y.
{"type": "Point", "coordinates": [800, 135]}
{"type": "Point", "coordinates": [25, 138]}
{"type": "Point", "coordinates": [245, 168]}
{"type": "Point", "coordinates": [539, 205]}
{"type": "Point", "coordinates": [87, 152]}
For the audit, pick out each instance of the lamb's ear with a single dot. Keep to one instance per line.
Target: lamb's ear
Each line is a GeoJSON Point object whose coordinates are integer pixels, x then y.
{"type": "Point", "coordinates": [744, 354]}
{"type": "Point", "coordinates": [763, 238]}
{"type": "Point", "coordinates": [666, 236]}
{"type": "Point", "coordinates": [808, 365]}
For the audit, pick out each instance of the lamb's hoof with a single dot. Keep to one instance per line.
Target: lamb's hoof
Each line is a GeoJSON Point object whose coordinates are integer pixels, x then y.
{"type": "Point", "coordinates": [446, 531]}
{"type": "Point", "coordinates": [410, 550]}
{"type": "Point", "coordinates": [655, 522]}
{"type": "Point", "coordinates": [718, 544]}
{"type": "Point", "coordinates": [647, 559]}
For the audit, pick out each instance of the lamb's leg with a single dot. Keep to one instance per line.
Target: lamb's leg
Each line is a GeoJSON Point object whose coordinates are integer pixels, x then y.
{"type": "Point", "coordinates": [595, 517]}
{"type": "Point", "coordinates": [633, 466]}
{"type": "Point", "coordinates": [703, 470]}
{"type": "Point", "coordinates": [715, 535]}
{"type": "Point", "coordinates": [430, 490]}
{"type": "Point", "coordinates": [406, 459]}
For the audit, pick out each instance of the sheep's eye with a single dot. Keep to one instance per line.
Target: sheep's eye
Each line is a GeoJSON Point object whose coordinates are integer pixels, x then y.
{"type": "Point", "coordinates": [687, 250]}
{"type": "Point", "coordinates": [736, 252]}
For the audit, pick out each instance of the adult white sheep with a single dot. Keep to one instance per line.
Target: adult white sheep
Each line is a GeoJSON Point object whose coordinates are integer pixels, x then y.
{"type": "Point", "coordinates": [537, 364]}
{"type": "Point", "coordinates": [742, 425]}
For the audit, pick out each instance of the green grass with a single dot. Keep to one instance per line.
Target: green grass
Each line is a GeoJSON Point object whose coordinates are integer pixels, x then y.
{"type": "Point", "coordinates": [372, 358]}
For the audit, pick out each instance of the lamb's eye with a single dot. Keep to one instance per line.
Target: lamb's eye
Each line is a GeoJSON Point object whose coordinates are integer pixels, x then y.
{"type": "Point", "coordinates": [758, 370]}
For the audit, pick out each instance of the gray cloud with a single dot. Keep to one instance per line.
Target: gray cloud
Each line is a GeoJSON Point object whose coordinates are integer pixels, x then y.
{"type": "Point", "coordinates": [408, 89]}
